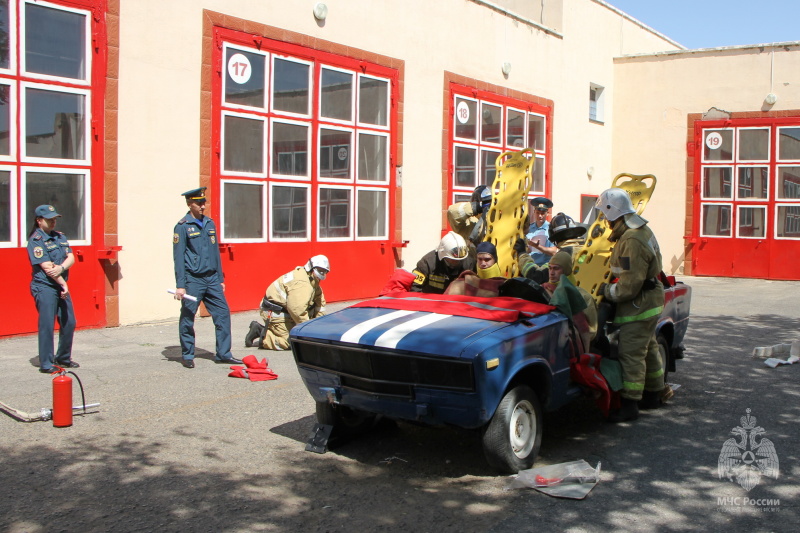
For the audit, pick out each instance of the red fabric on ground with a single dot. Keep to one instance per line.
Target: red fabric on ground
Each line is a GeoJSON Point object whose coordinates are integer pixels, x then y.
{"type": "Point", "coordinates": [500, 309]}
{"type": "Point", "coordinates": [585, 371]}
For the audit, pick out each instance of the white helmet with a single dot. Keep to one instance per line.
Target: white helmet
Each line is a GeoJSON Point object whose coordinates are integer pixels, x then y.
{"type": "Point", "coordinates": [319, 262]}
{"type": "Point", "coordinates": [615, 203]}
{"type": "Point", "coordinates": [452, 246]}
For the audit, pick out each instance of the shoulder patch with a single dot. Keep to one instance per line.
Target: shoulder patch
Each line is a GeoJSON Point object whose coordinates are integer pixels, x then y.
{"type": "Point", "coordinates": [182, 221]}
{"type": "Point", "coordinates": [37, 237]}
{"type": "Point", "coordinates": [625, 263]}
{"type": "Point", "coordinates": [38, 252]}
{"type": "Point", "coordinates": [419, 277]}
{"type": "Point", "coordinates": [175, 238]}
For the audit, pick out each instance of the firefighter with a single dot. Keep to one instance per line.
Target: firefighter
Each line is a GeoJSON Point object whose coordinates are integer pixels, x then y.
{"type": "Point", "coordinates": [639, 298]}
{"type": "Point", "coordinates": [468, 219]}
{"type": "Point", "coordinates": [441, 266]}
{"type": "Point", "coordinates": [293, 298]}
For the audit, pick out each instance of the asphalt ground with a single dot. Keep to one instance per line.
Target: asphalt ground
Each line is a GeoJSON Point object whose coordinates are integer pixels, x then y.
{"type": "Point", "coordinates": [173, 449]}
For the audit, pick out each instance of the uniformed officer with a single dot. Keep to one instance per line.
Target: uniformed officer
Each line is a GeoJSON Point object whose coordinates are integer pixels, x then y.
{"type": "Point", "coordinates": [439, 267]}
{"type": "Point", "coordinates": [541, 248]}
{"type": "Point", "coordinates": [198, 273]}
{"type": "Point", "coordinates": [51, 257]}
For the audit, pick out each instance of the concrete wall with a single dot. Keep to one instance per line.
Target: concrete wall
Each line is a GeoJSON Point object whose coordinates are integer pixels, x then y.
{"type": "Point", "coordinates": [159, 103]}
{"type": "Point", "coordinates": [654, 94]}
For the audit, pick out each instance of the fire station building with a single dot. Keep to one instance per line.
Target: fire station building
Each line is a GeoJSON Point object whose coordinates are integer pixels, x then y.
{"type": "Point", "coordinates": [346, 128]}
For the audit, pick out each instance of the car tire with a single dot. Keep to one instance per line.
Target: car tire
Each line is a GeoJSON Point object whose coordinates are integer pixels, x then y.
{"type": "Point", "coordinates": [512, 438]}
{"type": "Point", "coordinates": [663, 350]}
{"type": "Point", "coordinates": [345, 420]}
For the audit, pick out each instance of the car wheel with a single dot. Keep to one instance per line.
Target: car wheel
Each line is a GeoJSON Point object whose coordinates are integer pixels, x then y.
{"type": "Point", "coordinates": [663, 351]}
{"type": "Point", "coordinates": [345, 420]}
{"type": "Point", "coordinates": [512, 438]}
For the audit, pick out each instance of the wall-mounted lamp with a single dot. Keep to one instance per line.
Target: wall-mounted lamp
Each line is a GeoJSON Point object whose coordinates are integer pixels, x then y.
{"type": "Point", "coordinates": [771, 98]}
{"type": "Point", "coordinates": [506, 68]}
{"type": "Point", "coordinates": [320, 11]}
{"type": "Point", "coordinates": [590, 172]}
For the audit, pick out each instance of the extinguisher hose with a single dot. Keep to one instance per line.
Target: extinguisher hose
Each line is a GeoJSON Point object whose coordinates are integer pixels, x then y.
{"type": "Point", "coordinates": [83, 397]}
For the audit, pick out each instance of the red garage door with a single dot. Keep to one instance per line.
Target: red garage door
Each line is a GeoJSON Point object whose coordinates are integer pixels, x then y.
{"type": "Point", "coordinates": [747, 199]}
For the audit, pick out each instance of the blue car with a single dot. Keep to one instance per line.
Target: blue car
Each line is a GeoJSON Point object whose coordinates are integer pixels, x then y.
{"type": "Point", "coordinates": [491, 364]}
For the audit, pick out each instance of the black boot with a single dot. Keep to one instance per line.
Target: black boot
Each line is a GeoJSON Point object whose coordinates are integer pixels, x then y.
{"type": "Point", "coordinates": [256, 332]}
{"type": "Point", "coordinates": [650, 400]}
{"type": "Point", "coordinates": [628, 411]}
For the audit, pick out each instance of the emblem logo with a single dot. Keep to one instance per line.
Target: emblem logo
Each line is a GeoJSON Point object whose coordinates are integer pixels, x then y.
{"type": "Point", "coordinates": [748, 459]}
{"type": "Point", "coordinates": [38, 252]}
{"type": "Point", "coordinates": [175, 238]}
{"type": "Point", "coordinates": [213, 240]}
{"type": "Point", "coordinates": [51, 208]}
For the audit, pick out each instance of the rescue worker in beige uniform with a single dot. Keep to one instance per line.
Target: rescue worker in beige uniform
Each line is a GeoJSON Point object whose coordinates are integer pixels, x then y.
{"type": "Point", "coordinates": [291, 299]}
{"type": "Point", "coordinates": [639, 298]}
{"type": "Point", "coordinates": [468, 219]}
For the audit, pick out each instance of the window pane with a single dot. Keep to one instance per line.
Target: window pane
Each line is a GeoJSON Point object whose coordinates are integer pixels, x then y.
{"type": "Point", "coordinates": [243, 144]}
{"type": "Point", "coordinates": [788, 143]}
{"type": "Point", "coordinates": [488, 170]}
{"type": "Point", "coordinates": [466, 163]}
{"type": "Point", "coordinates": [751, 222]}
{"type": "Point", "coordinates": [536, 132]}
{"type": "Point", "coordinates": [334, 153]}
{"type": "Point", "coordinates": [244, 211]}
{"type": "Point", "coordinates": [372, 213]}
{"type": "Point", "coordinates": [290, 92]}
{"type": "Point", "coordinates": [244, 78]}
{"type": "Point", "coordinates": [717, 182]}
{"type": "Point", "coordinates": [466, 119]}
{"type": "Point", "coordinates": [337, 94]}
{"type": "Point", "coordinates": [718, 145]}
{"type": "Point", "coordinates": [372, 157]}
{"type": "Point", "coordinates": [289, 208]}
{"type": "Point", "coordinates": [5, 125]}
{"type": "Point", "coordinates": [54, 124]}
{"type": "Point", "coordinates": [290, 149]}
{"type": "Point", "coordinates": [55, 42]}
{"type": "Point", "coordinates": [753, 182]}
{"type": "Point", "coordinates": [717, 220]}
{"type": "Point", "coordinates": [334, 213]}
{"type": "Point", "coordinates": [66, 192]}
{"type": "Point", "coordinates": [373, 100]}
{"type": "Point", "coordinates": [5, 206]}
{"type": "Point", "coordinates": [789, 221]}
{"type": "Point", "coordinates": [491, 121]}
{"type": "Point", "coordinates": [788, 182]}
{"type": "Point", "coordinates": [754, 145]}
{"type": "Point", "coordinates": [4, 34]}
{"type": "Point", "coordinates": [515, 135]}
{"type": "Point", "coordinates": [538, 176]}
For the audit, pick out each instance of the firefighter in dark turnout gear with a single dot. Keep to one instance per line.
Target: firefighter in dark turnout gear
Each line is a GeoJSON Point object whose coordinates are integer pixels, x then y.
{"type": "Point", "coordinates": [439, 267]}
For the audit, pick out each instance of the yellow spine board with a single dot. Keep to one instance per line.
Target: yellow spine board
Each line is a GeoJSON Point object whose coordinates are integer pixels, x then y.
{"type": "Point", "coordinates": [508, 213]}
{"type": "Point", "coordinates": [591, 263]}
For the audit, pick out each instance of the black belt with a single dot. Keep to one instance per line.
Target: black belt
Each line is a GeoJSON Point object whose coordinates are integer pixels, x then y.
{"type": "Point", "coordinates": [267, 305]}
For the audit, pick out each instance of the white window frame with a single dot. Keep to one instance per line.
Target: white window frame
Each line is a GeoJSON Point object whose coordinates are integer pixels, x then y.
{"type": "Point", "coordinates": [476, 140]}
{"type": "Point", "coordinates": [353, 101]}
{"type": "Point", "coordinates": [778, 142]}
{"type": "Point", "coordinates": [87, 177]}
{"type": "Point", "coordinates": [737, 144]}
{"type": "Point", "coordinates": [501, 143]}
{"type": "Point", "coordinates": [87, 44]}
{"type": "Point", "coordinates": [353, 154]}
{"type": "Point", "coordinates": [13, 124]}
{"type": "Point", "coordinates": [387, 159]}
{"type": "Point", "coordinates": [264, 200]}
{"type": "Point", "coordinates": [351, 212]}
{"type": "Point", "coordinates": [717, 198]}
{"type": "Point", "coordinates": [736, 184]}
{"type": "Point", "coordinates": [543, 150]}
{"type": "Point", "coordinates": [87, 130]}
{"type": "Point", "coordinates": [777, 221]}
{"type": "Point", "coordinates": [356, 110]}
{"type": "Point", "coordinates": [308, 125]}
{"type": "Point", "coordinates": [739, 209]}
{"type": "Point", "coordinates": [475, 148]}
{"type": "Point", "coordinates": [525, 119]}
{"type": "Point", "coordinates": [265, 157]}
{"type": "Point", "coordinates": [271, 100]}
{"type": "Point", "coordinates": [267, 70]}
{"type": "Point", "coordinates": [778, 193]}
{"type": "Point", "coordinates": [385, 191]}
{"type": "Point", "coordinates": [730, 161]}
{"type": "Point", "coordinates": [729, 205]}
{"type": "Point", "coordinates": [12, 39]}
{"type": "Point", "coordinates": [270, 211]}
{"type": "Point", "coordinates": [599, 103]}
{"type": "Point", "coordinates": [15, 233]}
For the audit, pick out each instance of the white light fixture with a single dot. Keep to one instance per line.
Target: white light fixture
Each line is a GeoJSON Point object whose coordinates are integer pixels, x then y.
{"type": "Point", "coordinates": [506, 68]}
{"type": "Point", "coordinates": [771, 99]}
{"type": "Point", "coordinates": [320, 11]}
{"type": "Point", "coordinates": [590, 172]}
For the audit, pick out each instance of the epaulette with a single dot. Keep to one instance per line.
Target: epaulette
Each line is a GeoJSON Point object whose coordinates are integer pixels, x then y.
{"type": "Point", "coordinates": [182, 221]}
{"type": "Point", "coordinates": [37, 237]}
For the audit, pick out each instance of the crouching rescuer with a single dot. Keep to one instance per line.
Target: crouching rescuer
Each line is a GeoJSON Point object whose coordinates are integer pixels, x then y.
{"type": "Point", "coordinates": [639, 298]}
{"type": "Point", "coordinates": [293, 298]}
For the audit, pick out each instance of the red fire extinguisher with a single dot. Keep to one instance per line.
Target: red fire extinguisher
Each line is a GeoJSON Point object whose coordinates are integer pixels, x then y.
{"type": "Point", "coordinates": [62, 401]}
